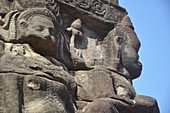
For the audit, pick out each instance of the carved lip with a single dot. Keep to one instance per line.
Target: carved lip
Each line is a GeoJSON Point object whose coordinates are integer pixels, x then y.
{"type": "Point", "coordinates": [42, 46]}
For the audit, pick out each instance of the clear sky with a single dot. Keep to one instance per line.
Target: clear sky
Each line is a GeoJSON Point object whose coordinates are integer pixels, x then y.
{"type": "Point", "coordinates": [151, 19]}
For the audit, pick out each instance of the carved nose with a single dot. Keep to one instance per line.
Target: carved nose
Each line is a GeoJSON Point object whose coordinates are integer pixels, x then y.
{"type": "Point", "coordinates": [46, 34]}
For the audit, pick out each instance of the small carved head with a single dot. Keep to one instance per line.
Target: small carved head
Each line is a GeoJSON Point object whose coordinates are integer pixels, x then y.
{"type": "Point", "coordinates": [39, 28]}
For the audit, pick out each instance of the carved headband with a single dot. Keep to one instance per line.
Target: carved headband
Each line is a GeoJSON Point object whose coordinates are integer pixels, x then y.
{"type": "Point", "coordinates": [38, 11]}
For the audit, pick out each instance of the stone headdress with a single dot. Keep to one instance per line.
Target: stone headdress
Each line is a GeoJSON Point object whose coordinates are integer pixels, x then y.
{"type": "Point", "coordinates": [50, 10]}
{"type": "Point", "coordinates": [38, 11]}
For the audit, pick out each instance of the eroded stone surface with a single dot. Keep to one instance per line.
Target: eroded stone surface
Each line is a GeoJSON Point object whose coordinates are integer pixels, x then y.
{"type": "Point", "coordinates": [69, 56]}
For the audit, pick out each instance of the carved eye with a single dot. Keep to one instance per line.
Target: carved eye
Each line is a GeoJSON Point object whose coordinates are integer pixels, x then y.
{"type": "Point", "coordinates": [38, 28]}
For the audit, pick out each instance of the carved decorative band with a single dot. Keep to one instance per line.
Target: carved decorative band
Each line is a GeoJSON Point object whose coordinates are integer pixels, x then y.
{"type": "Point", "coordinates": [84, 4]}
{"type": "Point", "coordinates": [98, 7]}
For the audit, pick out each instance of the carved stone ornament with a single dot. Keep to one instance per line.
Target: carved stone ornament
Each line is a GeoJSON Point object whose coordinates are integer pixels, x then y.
{"type": "Point", "coordinates": [69, 56]}
{"type": "Point", "coordinates": [98, 7]}
{"type": "Point", "coordinates": [84, 4]}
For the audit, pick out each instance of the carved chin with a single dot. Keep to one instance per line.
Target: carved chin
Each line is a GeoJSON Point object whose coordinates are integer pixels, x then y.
{"type": "Point", "coordinates": [39, 45]}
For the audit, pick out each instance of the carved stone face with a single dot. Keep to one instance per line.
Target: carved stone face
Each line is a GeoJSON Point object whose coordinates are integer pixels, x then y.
{"type": "Point", "coordinates": [39, 32]}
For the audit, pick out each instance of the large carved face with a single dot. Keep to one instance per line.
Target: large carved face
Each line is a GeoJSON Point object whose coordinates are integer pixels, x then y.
{"type": "Point", "coordinates": [39, 32]}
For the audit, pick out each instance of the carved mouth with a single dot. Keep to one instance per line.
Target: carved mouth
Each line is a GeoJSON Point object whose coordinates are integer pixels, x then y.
{"type": "Point", "coordinates": [42, 46]}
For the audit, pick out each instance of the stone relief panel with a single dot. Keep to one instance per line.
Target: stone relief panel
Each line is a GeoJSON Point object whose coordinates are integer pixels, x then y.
{"type": "Point", "coordinates": [69, 56]}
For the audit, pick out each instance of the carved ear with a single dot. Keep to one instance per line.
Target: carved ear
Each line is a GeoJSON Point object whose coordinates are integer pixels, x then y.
{"type": "Point", "coordinates": [23, 24]}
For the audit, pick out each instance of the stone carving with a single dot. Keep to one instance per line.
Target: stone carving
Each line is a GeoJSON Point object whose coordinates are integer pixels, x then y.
{"type": "Point", "coordinates": [98, 7]}
{"type": "Point", "coordinates": [35, 62]}
{"type": "Point", "coordinates": [106, 9]}
{"type": "Point", "coordinates": [85, 4]}
{"type": "Point", "coordinates": [69, 56]}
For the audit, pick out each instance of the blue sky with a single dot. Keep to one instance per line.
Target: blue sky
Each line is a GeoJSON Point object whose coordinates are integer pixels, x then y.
{"type": "Point", "coordinates": [151, 19]}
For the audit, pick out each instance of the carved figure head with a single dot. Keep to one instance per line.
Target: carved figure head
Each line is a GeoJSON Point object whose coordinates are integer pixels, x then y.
{"type": "Point", "coordinates": [38, 27]}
